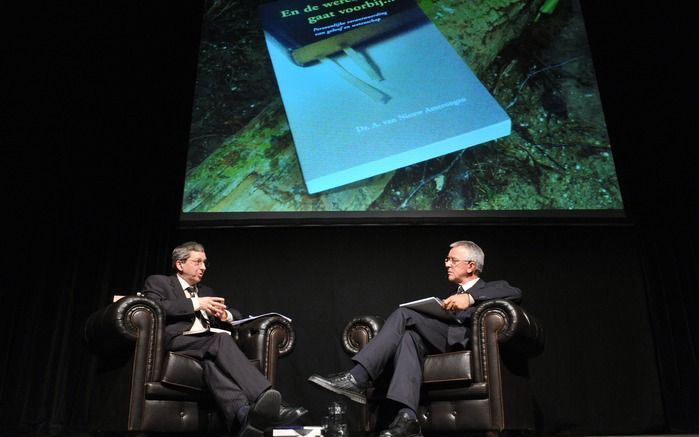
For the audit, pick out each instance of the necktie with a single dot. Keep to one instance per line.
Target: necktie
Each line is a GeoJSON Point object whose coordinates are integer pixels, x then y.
{"type": "Point", "coordinates": [460, 290]}
{"type": "Point", "coordinates": [201, 315]}
{"type": "Point", "coordinates": [192, 291]}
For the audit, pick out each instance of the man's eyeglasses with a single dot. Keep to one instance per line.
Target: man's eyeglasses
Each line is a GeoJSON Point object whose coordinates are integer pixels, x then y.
{"type": "Point", "coordinates": [198, 262]}
{"type": "Point", "coordinates": [454, 261]}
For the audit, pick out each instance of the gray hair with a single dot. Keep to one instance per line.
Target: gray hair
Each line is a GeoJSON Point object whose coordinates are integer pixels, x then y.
{"type": "Point", "coordinates": [181, 252]}
{"type": "Point", "coordinates": [475, 253]}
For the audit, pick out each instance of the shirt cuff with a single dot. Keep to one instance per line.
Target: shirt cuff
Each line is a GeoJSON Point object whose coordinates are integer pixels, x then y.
{"type": "Point", "coordinates": [229, 317]}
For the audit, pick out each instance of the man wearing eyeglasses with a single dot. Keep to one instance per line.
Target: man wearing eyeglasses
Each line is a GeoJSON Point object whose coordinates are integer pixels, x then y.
{"type": "Point", "coordinates": [408, 336]}
{"type": "Point", "coordinates": [194, 318]}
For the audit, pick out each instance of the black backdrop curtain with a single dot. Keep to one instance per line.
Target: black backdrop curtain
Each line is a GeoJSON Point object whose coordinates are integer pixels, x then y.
{"type": "Point", "coordinates": [93, 175]}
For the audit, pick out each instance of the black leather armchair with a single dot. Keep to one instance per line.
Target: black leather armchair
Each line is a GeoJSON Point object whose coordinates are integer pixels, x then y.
{"type": "Point", "coordinates": [483, 389]}
{"type": "Point", "coordinates": [141, 387]}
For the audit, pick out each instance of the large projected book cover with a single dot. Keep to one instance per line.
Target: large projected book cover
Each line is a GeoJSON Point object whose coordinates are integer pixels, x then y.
{"type": "Point", "coordinates": [373, 86]}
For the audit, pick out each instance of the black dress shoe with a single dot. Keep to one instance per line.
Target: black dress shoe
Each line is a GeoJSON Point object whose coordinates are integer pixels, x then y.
{"type": "Point", "coordinates": [262, 414]}
{"type": "Point", "coordinates": [288, 415]}
{"type": "Point", "coordinates": [402, 426]}
{"type": "Point", "coordinates": [343, 384]}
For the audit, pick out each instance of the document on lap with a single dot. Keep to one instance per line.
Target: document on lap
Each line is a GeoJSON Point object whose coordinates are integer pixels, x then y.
{"type": "Point", "coordinates": [431, 306]}
{"type": "Point", "coordinates": [251, 318]}
{"type": "Point", "coordinates": [200, 330]}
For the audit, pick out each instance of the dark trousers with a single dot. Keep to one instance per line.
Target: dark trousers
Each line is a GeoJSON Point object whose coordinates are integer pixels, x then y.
{"type": "Point", "coordinates": [406, 337]}
{"type": "Point", "coordinates": [231, 378]}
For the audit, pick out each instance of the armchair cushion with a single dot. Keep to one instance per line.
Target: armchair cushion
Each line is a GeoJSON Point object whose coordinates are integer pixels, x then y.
{"type": "Point", "coordinates": [183, 371]}
{"type": "Point", "coordinates": [452, 368]}
{"type": "Point", "coordinates": [157, 391]}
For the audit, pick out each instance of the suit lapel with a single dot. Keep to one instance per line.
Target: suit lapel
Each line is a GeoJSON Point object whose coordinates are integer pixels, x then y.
{"type": "Point", "coordinates": [176, 288]}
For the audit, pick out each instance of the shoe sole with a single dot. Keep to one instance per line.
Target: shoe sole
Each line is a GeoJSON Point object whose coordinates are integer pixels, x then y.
{"type": "Point", "coordinates": [353, 396]}
{"type": "Point", "coordinates": [262, 414]}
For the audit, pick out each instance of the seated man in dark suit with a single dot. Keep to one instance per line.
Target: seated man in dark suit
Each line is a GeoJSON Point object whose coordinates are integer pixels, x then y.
{"type": "Point", "coordinates": [408, 336]}
{"type": "Point", "coordinates": [194, 318]}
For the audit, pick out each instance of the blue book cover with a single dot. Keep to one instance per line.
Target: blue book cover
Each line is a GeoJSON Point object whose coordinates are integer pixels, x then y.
{"type": "Point", "coordinates": [378, 88]}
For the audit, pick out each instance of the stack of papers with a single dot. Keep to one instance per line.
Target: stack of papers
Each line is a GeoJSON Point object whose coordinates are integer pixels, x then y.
{"type": "Point", "coordinates": [297, 431]}
{"type": "Point", "coordinates": [431, 306]}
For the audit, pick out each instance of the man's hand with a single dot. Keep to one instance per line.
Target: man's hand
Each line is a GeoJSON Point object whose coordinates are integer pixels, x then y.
{"type": "Point", "coordinates": [215, 306]}
{"type": "Point", "coordinates": [457, 302]}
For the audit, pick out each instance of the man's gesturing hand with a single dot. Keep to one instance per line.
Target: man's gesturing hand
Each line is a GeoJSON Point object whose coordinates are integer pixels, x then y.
{"type": "Point", "coordinates": [215, 306]}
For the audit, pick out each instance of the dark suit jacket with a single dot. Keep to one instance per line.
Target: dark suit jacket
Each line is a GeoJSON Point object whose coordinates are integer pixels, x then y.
{"type": "Point", "coordinates": [458, 335]}
{"type": "Point", "coordinates": [179, 312]}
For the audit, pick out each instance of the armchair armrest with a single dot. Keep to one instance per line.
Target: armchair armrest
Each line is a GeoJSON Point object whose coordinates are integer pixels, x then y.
{"type": "Point", "coordinates": [501, 325]}
{"type": "Point", "coordinates": [517, 328]}
{"type": "Point", "coordinates": [266, 339]}
{"type": "Point", "coordinates": [359, 331]}
{"type": "Point", "coordinates": [114, 329]}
